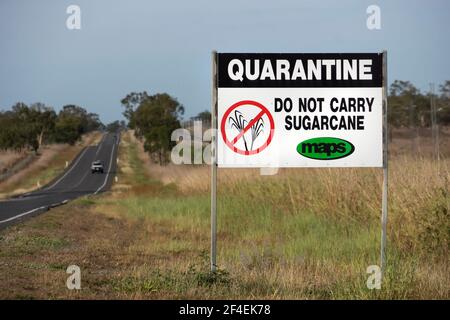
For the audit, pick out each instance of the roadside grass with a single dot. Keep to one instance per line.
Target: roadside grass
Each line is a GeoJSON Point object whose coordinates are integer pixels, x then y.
{"type": "Point", "coordinates": [9, 157]}
{"type": "Point", "coordinates": [42, 174]}
{"type": "Point", "coordinates": [297, 235]}
{"type": "Point", "coordinates": [29, 244]}
{"type": "Point", "coordinates": [279, 238]}
{"type": "Point", "coordinates": [297, 257]}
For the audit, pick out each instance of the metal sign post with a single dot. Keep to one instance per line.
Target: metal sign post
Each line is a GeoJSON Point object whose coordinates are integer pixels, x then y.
{"type": "Point", "coordinates": [214, 164]}
{"type": "Point", "coordinates": [385, 168]}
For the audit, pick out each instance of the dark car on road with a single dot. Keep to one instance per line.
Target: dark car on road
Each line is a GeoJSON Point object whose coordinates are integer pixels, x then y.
{"type": "Point", "coordinates": [97, 166]}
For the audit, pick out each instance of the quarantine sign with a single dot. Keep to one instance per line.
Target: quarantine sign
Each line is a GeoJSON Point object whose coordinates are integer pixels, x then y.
{"type": "Point", "coordinates": [300, 110]}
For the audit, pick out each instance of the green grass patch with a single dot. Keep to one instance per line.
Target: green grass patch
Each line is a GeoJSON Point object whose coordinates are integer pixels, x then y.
{"type": "Point", "coordinates": [288, 235]}
{"type": "Point", "coordinates": [85, 201]}
{"type": "Point", "coordinates": [139, 173]}
{"type": "Point", "coordinates": [33, 243]}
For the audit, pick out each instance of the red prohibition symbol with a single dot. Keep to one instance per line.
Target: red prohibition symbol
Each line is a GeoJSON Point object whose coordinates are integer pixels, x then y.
{"type": "Point", "coordinates": [231, 142]}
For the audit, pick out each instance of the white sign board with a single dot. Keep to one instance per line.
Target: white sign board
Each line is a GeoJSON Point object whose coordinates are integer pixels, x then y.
{"type": "Point", "coordinates": [299, 110]}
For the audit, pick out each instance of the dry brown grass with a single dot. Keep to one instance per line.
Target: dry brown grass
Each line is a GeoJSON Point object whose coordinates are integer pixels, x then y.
{"type": "Point", "coordinates": [408, 141]}
{"type": "Point", "coordinates": [9, 158]}
{"type": "Point", "coordinates": [48, 164]}
{"type": "Point", "coordinates": [47, 153]}
{"type": "Point", "coordinates": [416, 186]}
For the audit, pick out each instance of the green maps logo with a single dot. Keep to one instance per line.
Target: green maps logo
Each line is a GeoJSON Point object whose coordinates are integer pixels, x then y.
{"type": "Point", "coordinates": [325, 148]}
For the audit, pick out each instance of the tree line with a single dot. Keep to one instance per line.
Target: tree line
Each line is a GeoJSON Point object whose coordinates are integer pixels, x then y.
{"type": "Point", "coordinates": [29, 127]}
{"type": "Point", "coordinates": [409, 107]}
{"type": "Point", "coordinates": [154, 117]}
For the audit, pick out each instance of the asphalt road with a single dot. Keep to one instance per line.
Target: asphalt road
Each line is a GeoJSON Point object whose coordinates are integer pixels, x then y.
{"type": "Point", "coordinates": [76, 181]}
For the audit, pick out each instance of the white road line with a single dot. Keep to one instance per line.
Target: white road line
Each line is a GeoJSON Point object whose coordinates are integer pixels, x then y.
{"type": "Point", "coordinates": [67, 172]}
{"type": "Point", "coordinates": [109, 169]}
{"type": "Point", "coordinates": [99, 146]}
{"type": "Point", "coordinates": [22, 214]}
{"type": "Point", "coordinates": [65, 201]}
{"type": "Point", "coordinates": [33, 210]}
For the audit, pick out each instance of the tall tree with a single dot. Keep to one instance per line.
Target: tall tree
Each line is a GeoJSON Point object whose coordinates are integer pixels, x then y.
{"type": "Point", "coordinates": [406, 105]}
{"type": "Point", "coordinates": [155, 119]}
{"type": "Point", "coordinates": [72, 122]}
{"type": "Point", "coordinates": [93, 122]}
{"type": "Point", "coordinates": [42, 121]}
{"type": "Point", "coordinates": [130, 103]}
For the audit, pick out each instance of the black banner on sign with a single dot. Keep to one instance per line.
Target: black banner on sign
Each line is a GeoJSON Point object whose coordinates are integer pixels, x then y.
{"type": "Point", "coordinates": [308, 70]}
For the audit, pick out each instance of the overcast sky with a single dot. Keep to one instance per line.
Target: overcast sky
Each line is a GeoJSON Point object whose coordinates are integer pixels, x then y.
{"type": "Point", "coordinates": [165, 46]}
